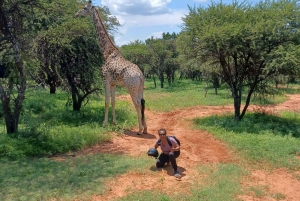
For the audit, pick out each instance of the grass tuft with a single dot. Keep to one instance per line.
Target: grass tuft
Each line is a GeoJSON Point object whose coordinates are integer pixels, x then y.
{"type": "Point", "coordinates": [72, 179]}
{"type": "Point", "coordinates": [261, 138]}
{"type": "Point", "coordinates": [48, 127]}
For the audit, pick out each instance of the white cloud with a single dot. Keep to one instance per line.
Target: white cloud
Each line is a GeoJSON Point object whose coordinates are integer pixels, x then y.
{"type": "Point", "coordinates": [137, 7]}
{"type": "Point", "coordinates": [172, 18]}
{"type": "Point", "coordinates": [136, 22]}
{"type": "Point", "coordinates": [137, 16]}
{"type": "Point", "coordinates": [201, 1]}
{"type": "Point", "coordinates": [140, 17]}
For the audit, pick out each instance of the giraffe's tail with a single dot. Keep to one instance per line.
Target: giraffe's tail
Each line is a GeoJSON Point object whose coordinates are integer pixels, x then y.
{"type": "Point", "coordinates": [143, 109]}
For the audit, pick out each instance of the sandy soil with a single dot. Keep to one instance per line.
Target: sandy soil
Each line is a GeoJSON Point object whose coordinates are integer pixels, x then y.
{"type": "Point", "coordinates": [197, 147]}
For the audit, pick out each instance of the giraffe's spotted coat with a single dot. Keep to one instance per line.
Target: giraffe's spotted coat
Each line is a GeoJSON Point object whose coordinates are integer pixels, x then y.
{"type": "Point", "coordinates": [117, 70]}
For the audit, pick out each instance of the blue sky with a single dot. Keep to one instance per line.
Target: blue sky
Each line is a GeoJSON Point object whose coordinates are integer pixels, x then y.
{"type": "Point", "coordinates": [141, 19]}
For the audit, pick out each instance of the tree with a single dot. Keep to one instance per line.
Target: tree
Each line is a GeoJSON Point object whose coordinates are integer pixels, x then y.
{"type": "Point", "coordinates": [136, 52]}
{"type": "Point", "coordinates": [287, 60]}
{"type": "Point", "coordinates": [241, 40]}
{"type": "Point", "coordinates": [171, 64]}
{"type": "Point", "coordinates": [57, 27]}
{"type": "Point", "coordinates": [163, 57]}
{"type": "Point", "coordinates": [68, 50]}
{"type": "Point", "coordinates": [81, 67]}
{"type": "Point", "coordinates": [81, 61]}
{"type": "Point", "coordinates": [155, 56]}
{"type": "Point", "coordinates": [15, 29]}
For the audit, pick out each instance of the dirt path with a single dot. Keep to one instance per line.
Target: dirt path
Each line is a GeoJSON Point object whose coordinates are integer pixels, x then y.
{"type": "Point", "coordinates": [198, 147]}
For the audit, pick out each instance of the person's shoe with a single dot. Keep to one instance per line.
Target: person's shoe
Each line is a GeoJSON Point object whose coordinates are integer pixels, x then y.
{"type": "Point", "coordinates": [176, 174]}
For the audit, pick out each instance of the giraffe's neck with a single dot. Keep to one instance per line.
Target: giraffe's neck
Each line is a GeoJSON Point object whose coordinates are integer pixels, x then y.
{"type": "Point", "coordinates": [106, 45]}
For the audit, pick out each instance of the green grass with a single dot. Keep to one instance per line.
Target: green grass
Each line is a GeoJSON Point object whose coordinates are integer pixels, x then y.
{"type": "Point", "coordinates": [75, 178]}
{"type": "Point", "coordinates": [48, 125]}
{"type": "Point", "coordinates": [182, 94]}
{"type": "Point", "coordinates": [260, 138]}
{"type": "Point", "coordinates": [186, 93]}
{"type": "Point", "coordinates": [220, 182]}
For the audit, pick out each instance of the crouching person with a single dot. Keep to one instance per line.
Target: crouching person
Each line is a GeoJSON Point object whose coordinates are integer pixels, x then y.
{"type": "Point", "coordinates": [170, 151]}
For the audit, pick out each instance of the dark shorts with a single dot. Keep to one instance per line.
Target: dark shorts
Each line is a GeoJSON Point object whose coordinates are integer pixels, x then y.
{"type": "Point", "coordinates": [164, 158]}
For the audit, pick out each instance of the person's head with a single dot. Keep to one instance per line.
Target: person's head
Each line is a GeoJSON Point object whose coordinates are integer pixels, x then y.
{"type": "Point", "coordinates": [162, 132]}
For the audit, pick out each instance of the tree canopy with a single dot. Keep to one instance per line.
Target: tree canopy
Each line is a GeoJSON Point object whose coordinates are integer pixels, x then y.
{"type": "Point", "coordinates": [45, 40]}
{"type": "Point", "coordinates": [242, 40]}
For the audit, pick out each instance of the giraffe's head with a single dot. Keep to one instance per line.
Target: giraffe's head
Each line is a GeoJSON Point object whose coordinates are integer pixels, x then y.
{"type": "Point", "coordinates": [87, 10]}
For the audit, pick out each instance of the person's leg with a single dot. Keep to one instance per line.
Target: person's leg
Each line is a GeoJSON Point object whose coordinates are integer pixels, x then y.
{"type": "Point", "coordinates": [161, 161]}
{"type": "Point", "coordinates": [172, 158]}
{"type": "Point", "coordinates": [176, 154]}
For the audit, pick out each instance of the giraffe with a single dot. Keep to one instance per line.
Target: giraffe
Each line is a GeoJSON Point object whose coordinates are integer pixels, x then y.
{"type": "Point", "coordinates": [116, 70]}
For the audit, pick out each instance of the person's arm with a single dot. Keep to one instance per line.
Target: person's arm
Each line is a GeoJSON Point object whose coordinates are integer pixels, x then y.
{"type": "Point", "coordinates": [175, 147]}
{"type": "Point", "coordinates": [156, 145]}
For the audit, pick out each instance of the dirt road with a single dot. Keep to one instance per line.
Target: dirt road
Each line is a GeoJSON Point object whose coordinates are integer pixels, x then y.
{"type": "Point", "coordinates": [198, 147]}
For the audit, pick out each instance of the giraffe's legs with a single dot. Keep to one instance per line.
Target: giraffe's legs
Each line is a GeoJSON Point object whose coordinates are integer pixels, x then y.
{"type": "Point", "coordinates": [139, 114]}
{"type": "Point", "coordinates": [137, 105]}
{"type": "Point", "coordinates": [144, 119]}
{"type": "Point", "coordinates": [142, 105]}
{"type": "Point", "coordinates": [107, 100]}
{"type": "Point", "coordinates": [113, 102]}
{"type": "Point", "coordinates": [145, 127]}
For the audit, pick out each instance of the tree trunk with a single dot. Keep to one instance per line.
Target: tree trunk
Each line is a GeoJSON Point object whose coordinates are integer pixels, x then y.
{"type": "Point", "coordinates": [76, 103]}
{"type": "Point", "coordinates": [11, 124]}
{"type": "Point", "coordinates": [154, 80]}
{"type": "Point", "coordinates": [237, 103]}
{"type": "Point", "coordinates": [52, 89]}
{"type": "Point", "coordinates": [12, 115]}
{"type": "Point", "coordinates": [77, 99]}
{"type": "Point", "coordinates": [52, 84]}
{"type": "Point", "coordinates": [251, 91]}
{"type": "Point", "coordinates": [161, 78]}
{"type": "Point", "coordinates": [216, 90]}
{"type": "Point", "coordinates": [237, 108]}
{"type": "Point", "coordinates": [216, 84]}
{"type": "Point", "coordinates": [173, 76]}
{"type": "Point", "coordinates": [11, 121]}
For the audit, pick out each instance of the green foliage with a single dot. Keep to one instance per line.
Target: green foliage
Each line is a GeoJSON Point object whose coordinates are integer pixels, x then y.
{"type": "Point", "coordinates": [155, 56]}
{"type": "Point", "coordinates": [70, 179]}
{"type": "Point", "coordinates": [242, 41]}
{"type": "Point", "coordinates": [261, 138]}
{"type": "Point", "coordinates": [136, 52]}
{"type": "Point", "coordinates": [48, 127]}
